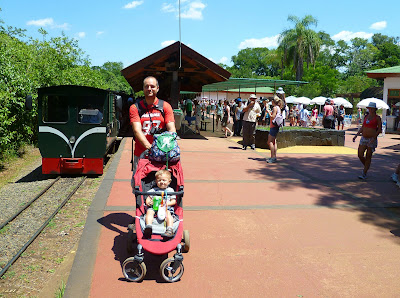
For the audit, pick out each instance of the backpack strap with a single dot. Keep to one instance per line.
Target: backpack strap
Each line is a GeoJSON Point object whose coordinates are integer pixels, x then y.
{"type": "Point", "coordinates": [141, 110]}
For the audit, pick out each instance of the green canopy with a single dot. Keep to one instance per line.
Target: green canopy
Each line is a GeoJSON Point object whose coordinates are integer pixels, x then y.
{"type": "Point", "coordinates": [238, 83]}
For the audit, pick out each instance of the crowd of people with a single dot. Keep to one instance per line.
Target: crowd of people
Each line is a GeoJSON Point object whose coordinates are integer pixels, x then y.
{"type": "Point", "coordinates": [244, 115]}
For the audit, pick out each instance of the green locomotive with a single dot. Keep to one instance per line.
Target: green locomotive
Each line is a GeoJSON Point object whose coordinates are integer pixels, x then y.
{"type": "Point", "coordinates": [77, 126]}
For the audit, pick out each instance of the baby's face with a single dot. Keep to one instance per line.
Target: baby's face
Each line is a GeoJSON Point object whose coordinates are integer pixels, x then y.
{"type": "Point", "coordinates": [163, 181]}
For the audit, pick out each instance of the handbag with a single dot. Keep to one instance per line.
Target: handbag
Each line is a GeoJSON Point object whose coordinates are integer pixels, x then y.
{"type": "Point", "coordinates": [278, 121]}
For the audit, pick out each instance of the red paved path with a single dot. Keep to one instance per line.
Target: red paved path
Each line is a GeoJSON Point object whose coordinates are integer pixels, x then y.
{"type": "Point", "coordinates": [303, 227]}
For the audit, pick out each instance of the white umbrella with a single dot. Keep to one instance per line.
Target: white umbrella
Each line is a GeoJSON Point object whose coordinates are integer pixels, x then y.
{"type": "Point", "coordinates": [303, 100]}
{"type": "Point", "coordinates": [320, 100]}
{"type": "Point", "coordinates": [338, 101]}
{"type": "Point", "coordinates": [380, 104]}
{"type": "Point", "coordinates": [290, 99]}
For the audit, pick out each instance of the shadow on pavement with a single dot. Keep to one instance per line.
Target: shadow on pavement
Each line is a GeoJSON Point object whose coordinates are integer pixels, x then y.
{"type": "Point", "coordinates": [375, 198]}
{"type": "Point", "coordinates": [114, 222]}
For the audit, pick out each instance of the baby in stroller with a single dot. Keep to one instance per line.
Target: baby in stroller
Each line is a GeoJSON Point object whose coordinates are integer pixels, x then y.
{"type": "Point", "coordinates": [163, 180]}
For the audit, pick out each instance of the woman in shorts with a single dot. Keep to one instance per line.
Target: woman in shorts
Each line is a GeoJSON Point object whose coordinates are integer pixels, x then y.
{"type": "Point", "coordinates": [226, 119]}
{"type": "Point", "coordinates": [370, 129]}
{"type": "Point", "coordinates": [274, 129]}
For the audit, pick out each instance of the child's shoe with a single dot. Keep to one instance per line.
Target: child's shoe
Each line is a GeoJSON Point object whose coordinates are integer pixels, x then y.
{"type": "Point", "coordinates": [169, 233]}
{"type": "Point", "coordinates": [148, 230]}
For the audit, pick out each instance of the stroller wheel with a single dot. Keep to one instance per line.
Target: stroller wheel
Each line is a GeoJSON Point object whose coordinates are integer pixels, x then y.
{"type": "Point", "coordinates": [133, 270]}
{"type": "Point", "coordinates": [132, 238]}
{"type": "Point", "coordinates": [167, 271]}
{"type": "Point", "coordinates": [186, 241]}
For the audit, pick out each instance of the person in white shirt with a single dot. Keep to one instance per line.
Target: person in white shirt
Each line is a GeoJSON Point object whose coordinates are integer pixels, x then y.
{"type": "Point", "coordinates": [249, 122]}
{"type": "Point", "coordinates": [304, 116]}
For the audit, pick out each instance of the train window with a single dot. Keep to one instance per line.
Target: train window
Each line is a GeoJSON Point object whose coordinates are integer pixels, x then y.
{"type": "Point", "coordinates": [55, 108]}
{"type": "Point", "coordinates": [90, 113]}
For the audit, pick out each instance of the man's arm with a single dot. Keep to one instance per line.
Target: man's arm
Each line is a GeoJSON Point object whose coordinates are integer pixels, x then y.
{"type": "Point", "coordinates": [170, 127]}
{"type": "Point", "coordinates": [139, 136]}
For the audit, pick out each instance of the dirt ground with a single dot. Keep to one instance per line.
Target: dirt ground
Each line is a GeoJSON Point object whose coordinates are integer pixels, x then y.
{"type": "Point", "coordinates": [43, 269]}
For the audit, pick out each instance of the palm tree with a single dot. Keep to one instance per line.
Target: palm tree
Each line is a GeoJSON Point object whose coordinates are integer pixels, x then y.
{"type": "Point", "coordinates": [300, 44]}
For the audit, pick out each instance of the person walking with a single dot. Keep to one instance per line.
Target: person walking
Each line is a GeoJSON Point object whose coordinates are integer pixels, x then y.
{"type": "Point", "coordinates": [370, 129]}
{"type": "Point", "coordinates": [314, 116]}
{"type": "Point", "coordinates": [226, 119]}
{"type": "Point", "coordinates": [249, 122]}
{"type": "Point", "coordinates": [146, 116]}
{"type": "Point", "coordinates": [274, 128]}
{"type": "Point", "coordinates": [220, 113]}
{"type": "Point", "coordinates": [197, 114]}
{"type": "Point", "coordinates": [340, 117]}
{"type": "Point", "coordinates": [237, 128]}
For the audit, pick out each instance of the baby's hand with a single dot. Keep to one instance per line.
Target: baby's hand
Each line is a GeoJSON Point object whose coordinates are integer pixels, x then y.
{"type": "Point", "coordinates": [149, 201]}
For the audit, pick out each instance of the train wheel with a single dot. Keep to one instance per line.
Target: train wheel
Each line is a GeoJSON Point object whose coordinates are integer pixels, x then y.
{"type": "Point", "coordinates": [166, 270]}
{"type": "Point", "coordinates": [186, 241]}
{"type": "Point", "coordinates": [133, 270]}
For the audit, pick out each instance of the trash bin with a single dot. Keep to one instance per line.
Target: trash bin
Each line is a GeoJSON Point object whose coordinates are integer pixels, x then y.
{"type": "Point", "coordinates": [178, 115]}
{"type": "Point", "coordinates": [390, 122]}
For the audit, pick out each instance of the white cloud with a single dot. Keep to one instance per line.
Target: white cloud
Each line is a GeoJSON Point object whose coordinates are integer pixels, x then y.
{"type": "Point", "coordinates": [379, 25]}
{"type": "Point", "coordinates": [98, 33]}
{"type": "Point", "coordinates": [167, 7]}
{"type": "Point", "coordinates": [189, 9]}
{"type": "Point", "coordinates": [223, 60]}
{"type": "Point", "coordinates": [167, 43]}
{"type": "Point", "coordinates": [348, 35]}
{"type": "Point", "coordinates": [194, 11]}
{"type": "Point", "coordinates": [133, 4]}
{"type": "Point", "coordinates": [41, 22]}
{"type": "Point", "coordinates": [48, 22]}
{"type": "Point", "coordinates": [81, 35]}
{"type": "Point", "coordinates": [266, 42]}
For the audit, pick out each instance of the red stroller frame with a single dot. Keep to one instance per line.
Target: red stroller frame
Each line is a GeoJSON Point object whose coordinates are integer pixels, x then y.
{"type": "Point", "coordinates": [171, 269]}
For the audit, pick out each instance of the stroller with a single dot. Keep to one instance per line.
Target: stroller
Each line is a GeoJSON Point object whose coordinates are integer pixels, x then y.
{"type": "Point", "coordinates": [171, 269]}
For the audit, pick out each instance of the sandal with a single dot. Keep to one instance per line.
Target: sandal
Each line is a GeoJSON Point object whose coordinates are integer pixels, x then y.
{"type": "Point", "coordinates": [169, 233]}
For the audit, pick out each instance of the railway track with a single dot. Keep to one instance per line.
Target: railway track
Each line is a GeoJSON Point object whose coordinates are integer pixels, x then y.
{"type": "Point", "coordinates": [21, 228]}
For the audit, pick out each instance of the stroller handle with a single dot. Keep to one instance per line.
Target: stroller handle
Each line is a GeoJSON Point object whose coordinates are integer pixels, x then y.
{"type": "Point", "coordinates": [144, 153]}
{"type": "Point", "coordinates": [158, 193]}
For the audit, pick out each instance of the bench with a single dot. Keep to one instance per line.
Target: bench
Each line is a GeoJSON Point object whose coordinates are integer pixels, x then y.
{"type": "Point", "coordinates": [204, 123]}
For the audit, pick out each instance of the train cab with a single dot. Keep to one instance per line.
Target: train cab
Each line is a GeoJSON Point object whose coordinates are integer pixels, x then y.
{"type": "Point", "coordinates": [77, 127]}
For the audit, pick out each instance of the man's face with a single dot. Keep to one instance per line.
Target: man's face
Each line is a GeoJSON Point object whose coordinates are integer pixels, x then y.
{"type": "Point", "coordinates": [150, 87]}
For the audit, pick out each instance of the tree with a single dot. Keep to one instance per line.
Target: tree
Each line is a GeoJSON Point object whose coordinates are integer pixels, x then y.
{"type": "Point", "coordinates": [300, 44]}
{"type": "Point", "coordinates": [252, 62]}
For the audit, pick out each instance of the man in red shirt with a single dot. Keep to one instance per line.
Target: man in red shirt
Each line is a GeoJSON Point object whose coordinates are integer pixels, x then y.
{"type": "Point", "coordinates": [328, 118]}
{"type": "Point", "coordinates": [152, 117]}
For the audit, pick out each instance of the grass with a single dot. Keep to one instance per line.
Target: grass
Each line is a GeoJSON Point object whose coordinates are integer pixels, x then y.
{"type": "Point", "coordinates": [61, 290]}
{"type": "Point", "coordinates": [81, 224]}
{"type": "Point", "coordinates": [4, 230]}
{"type": "Point", "coordinates": [264, 128]}
{"type": "Point", "coordinates": [52, 224]}
{"type": "Point", "coordinates": [11, 167]}
{"type": "Point", "coordinates": [8, 274]}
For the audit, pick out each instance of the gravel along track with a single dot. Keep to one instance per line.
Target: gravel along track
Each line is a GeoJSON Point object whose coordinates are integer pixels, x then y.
{"type": "Point", "coordinates": [12, 197]}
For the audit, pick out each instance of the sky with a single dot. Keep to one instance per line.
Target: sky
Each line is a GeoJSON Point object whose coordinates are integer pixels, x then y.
{"type": "Point", "coordinates": [127, 31]}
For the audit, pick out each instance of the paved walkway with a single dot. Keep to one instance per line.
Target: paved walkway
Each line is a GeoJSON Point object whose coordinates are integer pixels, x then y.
{"type": "Point", "coordinates": [303, 227]}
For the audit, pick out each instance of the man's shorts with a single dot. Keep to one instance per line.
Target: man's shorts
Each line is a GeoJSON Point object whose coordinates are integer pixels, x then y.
{"type": "Point", "coordinates": [369, 142]}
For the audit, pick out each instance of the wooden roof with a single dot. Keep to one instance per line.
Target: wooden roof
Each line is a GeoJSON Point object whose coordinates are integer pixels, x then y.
{"type": "Point", "coordinates": [195, 70]}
